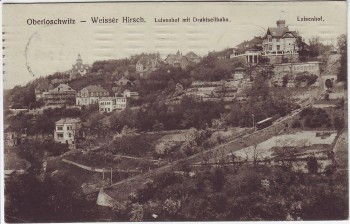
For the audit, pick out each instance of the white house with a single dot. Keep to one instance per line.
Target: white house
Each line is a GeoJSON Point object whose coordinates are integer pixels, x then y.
{"type": "Point", "coordinates": [109, 104]}
{"type": "Point", "coordinates": [90, 95]}
{"type": "Point", "coordinates": [67, 130]}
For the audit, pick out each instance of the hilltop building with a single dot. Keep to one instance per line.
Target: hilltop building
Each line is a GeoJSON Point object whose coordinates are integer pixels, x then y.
{"type": "Point", "coordinates": [250, 51]}
{"type": "Point", "coordinates": [62, 95]}
{"type": "Point", "coordinates": [79, 69]}
{"type": "Point", "coordinates": [193, 58]}
{"type": "Point", "coordinates": [177, 60]}
{"type": "Point", "coordinates": [280, 43]}
{"type": "Point", "coordinates": [67, 130]}
{"type": "Point", "coordinates": [90, 95]}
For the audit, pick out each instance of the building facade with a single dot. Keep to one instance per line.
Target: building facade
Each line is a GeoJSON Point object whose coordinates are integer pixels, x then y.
{"type": "Point", "coordinates": [90, 95]}
{"type": "Point", "coordinates": [110, 104]}
{"type": "Point", "coordinates": [280, 44]}
{"type": "Point", "coordinates": [62, 95]}
{"type": "Point", "coordinates": [67, 130]}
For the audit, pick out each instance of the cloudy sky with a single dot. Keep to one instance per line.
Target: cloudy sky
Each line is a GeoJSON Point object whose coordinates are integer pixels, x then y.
{"type": "Point", "coordinates": [47, 49]}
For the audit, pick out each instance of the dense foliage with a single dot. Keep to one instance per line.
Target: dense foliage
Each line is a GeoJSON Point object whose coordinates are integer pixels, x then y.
{"type": "Point", "coordinates": [190, 112]}
{"type": "Point", "coordinates": [221, 194]}
{"type": "Point", "coordinates": [49, 199]}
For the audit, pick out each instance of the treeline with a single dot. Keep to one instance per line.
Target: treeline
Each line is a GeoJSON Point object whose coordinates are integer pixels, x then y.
{"type": "Point", "coordinates": [189, 112]}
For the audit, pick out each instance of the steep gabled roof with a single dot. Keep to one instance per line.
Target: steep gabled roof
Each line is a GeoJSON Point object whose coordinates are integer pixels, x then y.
{"type": "Point", "coordinates": [68, 121]}
{"type": "Point", "coordinates": [62, 88]}
{"type": "Point", "coordinates": [277, 31]}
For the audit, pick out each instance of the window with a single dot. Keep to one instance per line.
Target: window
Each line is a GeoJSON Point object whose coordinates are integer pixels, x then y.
{"type": "Point", "coordinates": [60, 135]}
{"type": "Point", "coordinates": [269, 39]}
{"type": "Point", "coordinates": [278, 47]}
{"type": "Point", "coordinates": [270, 47]}
{"type": "Point", "coordinates": [70, 135]}
{"type": "Point", "coordinates": [59, 128]}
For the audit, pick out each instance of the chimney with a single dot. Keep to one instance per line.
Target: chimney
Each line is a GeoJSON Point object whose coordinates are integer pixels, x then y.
{"type": "Point", "coordinates": [281, 23]}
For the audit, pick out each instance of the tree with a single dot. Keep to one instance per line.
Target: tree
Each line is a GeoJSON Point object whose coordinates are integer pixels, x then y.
{"type": "Point", "coordinates": [326, 96]}
{"type": "Point", "coordinates": [218, 179]}
{"type": "Point", "coordinates": [312, 164]}
{"type": "Point", "coordinates": [285, 80]}
{"type": "Point", "coordinates": [329, 83]}
{"type": "Point", "coordinates": [52, 199]}
{"type": "Point", "coordinates": [317, 48]}
{"type": "Point", "coordinates": [338, 123]}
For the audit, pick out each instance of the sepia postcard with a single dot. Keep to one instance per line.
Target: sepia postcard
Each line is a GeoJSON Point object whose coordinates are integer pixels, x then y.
{"type": "Point", "coordinates": [175, 111]}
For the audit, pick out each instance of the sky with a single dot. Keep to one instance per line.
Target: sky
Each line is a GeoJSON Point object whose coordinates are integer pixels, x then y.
{"type": "Point", "coordinates": [47, 49]}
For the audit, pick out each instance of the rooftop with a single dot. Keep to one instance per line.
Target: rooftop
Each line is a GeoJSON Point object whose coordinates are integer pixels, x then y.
{"type": "Point", "coordinates": [94, 88]}
{"type": "Point", "coordinates": [68, 121]}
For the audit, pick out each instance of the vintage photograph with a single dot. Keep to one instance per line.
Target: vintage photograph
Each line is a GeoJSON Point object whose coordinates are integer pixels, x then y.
{"type": "Point", "coordinates": [175, 111]}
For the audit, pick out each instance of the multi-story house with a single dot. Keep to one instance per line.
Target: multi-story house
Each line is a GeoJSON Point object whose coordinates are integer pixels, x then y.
{"type": "Point", "coordinates": [177, 60]}
{"type": "Point", "coordinates": [67, 130]}
{"type": "Point", "coordinates": [90, 95]}
{"type": "Point", "coordinates": [109, 104]}
{"type": "Point", "coordinates": [79, 69]}
{"type": "Point", "coordinates": [62, 95]}
{"type": "Point", "coordinates": [280, 43]}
